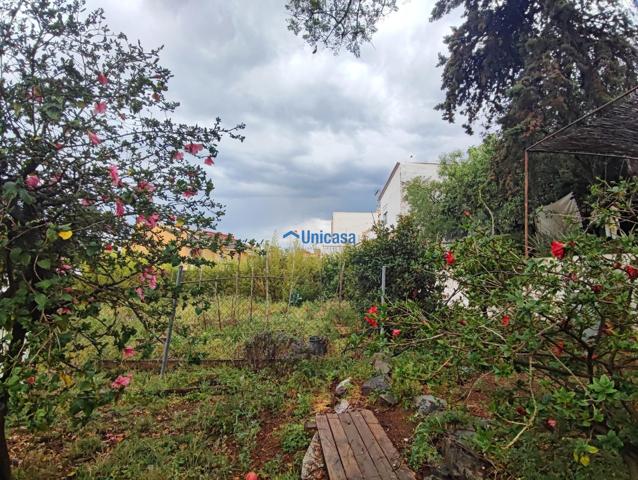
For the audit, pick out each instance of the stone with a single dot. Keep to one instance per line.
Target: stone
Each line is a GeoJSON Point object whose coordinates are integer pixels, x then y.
{"type": "Point", "coordinates": [427, 404]}
{"type": "Point", "coordinates": [389, 399]}
{"type": "Point", "coordinates": [343, 387]}
{"type": "Point", "coordinates": [381, 366]}
{"type": "Point", "coordinates": [342, 407]}
{"type": "Point", "coordinates": [377, 384]}
{"type": "Point", "coordinates": [460, 460]}
{"type": "Point", "coordinates": [313, 466]}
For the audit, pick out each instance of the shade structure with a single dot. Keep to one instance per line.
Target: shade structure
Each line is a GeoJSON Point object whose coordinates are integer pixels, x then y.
{"type": "Point", "coordinates": [610, 130]}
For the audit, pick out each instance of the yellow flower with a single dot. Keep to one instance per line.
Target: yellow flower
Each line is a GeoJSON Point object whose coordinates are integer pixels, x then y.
{"type": "Point", "coordinates": [65, 234]}
{"type": "Point", "coordinates": [68, 381]}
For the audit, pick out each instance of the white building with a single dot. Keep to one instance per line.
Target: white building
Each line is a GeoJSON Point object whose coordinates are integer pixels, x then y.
{"type": "Point", "coordinates": [391, 201]}
{"type": "Point", "coordinates": [359, 223]}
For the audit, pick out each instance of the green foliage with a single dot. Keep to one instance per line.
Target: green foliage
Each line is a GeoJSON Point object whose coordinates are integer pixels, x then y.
{"type": "Point", "coordinates": [559, 333]}
{"type": "Point", "coordinates": [466, 197]}
{"type": "Point", "coordinates": [294, 437]}
{"type": "Point", "coordinates": [410, 267]}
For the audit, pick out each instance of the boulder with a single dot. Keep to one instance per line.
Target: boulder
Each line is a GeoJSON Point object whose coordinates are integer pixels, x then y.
{"type": "Point", "coordinates": [342, 407]}
{"type": "Point", "coordinates": [343, 387]}
{"type": "Point", "coordinates": [461, 461]}
{"type": "Point", "coordinates": [313, 466]}
{"type": "Point", "coordinates": [427, 404]}
{"type": "Point", "coordinates": [389, 399]}
{"type": "Point", "coordinates": [377, 384]}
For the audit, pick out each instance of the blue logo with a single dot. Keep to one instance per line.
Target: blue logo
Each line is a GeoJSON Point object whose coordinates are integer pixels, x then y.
{"type": "Point", "coordinates": [290, 233]}
{"type": "Point", "coordinates": [321, 237]}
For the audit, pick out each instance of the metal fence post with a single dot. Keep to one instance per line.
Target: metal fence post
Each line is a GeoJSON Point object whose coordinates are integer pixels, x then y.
{"type": "Point", "coordinates": [383, 285]}
{"type": "Point", "coordinates": [169, 331]}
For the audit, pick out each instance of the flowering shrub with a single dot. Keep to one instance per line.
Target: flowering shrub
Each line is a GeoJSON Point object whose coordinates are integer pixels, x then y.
{"type": "Point", "coordinates": [560, 332]}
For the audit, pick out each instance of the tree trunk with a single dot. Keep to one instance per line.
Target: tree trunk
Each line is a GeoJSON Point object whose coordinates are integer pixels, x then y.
{"type": "Point", "coordinates": [630, 457]}
{"type": "Point", "coordinates": [5, 464]}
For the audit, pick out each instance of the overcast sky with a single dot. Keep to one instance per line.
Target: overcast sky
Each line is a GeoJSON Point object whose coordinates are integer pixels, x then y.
{"type": "Point", "coordinates": [322, 131]}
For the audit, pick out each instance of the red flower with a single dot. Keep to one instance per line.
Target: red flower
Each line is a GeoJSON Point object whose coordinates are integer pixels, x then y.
{"type": "Point", "coordinates": [128, 352]}
{"type": "Point", "coordinates": [505, 321]}
{"type": "Point", "coordinates": [632, 272]}
{"type": "Point", "coordinates": [449, 257]}
{"type": "Point", "coordinates": [119, 208]}
{"type": "Point", "coordinates": [63, 311]}
{"type": "Point", "coordinates": [558, 348]}
{"type": "Point", "coordinates": [396, 332]}
{"type": "Point", "coordinates": [252, 476]}
{"type": "Point", "coordinates": [596, 288]}
{"type": "Point", "coordinates": [373, 310]}
{"type": "Point", "coordinates": [467, 213]}
{"type": "Point", "coordinates": [188, 193]}
{"type": "Point", "coordinates": [551, 423]}
{"type": "Point", "coordinates": [209, 161]}
{"type": "Point", "coordinates": [32, 181]}
{"type": "Point", "coordinates": [108, 247]}
{"type": "Point", "coordinates": [558, 249]}
{"type": "Point", "coordinates": [156, 96]}
{"type": "Point", "coordinates": [58, 146]}
{"type": "Point", "coordinates": [178, 156]}
{"type": "Point", "coordinates": [520, 410]}
{"type": "Point", "coordinates": [102, 79]}
{"type": "Point", "coordinates": [193, 148]}
{"type": "Point", "coordinates": [30, 380]}
{"type": "Point", "coordinates": [371, 321]}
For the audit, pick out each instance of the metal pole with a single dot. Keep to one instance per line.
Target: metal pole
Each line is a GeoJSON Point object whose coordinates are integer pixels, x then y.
{"type": "Point", "coordinates": [169, 332]}
{"type": "Point", "coordinates": [383, 285]}
{"type": "Point", "coordinates": [526, 206]}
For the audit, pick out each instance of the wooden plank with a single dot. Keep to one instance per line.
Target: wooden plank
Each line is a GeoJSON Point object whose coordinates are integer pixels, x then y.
{"type": "Point", "coordinates": [391, 453]}
{"type": "Point", "coordinates": [345, 451]}
{"type": "Point", "coordinates": [330, 453]}
{"type": "Point", "coordinates": [378, 457]}
{"type": "Point", "coordinates": [361, 455]}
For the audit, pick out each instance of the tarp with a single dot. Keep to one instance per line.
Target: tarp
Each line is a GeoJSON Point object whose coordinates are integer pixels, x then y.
{"type": "Point", "coordinates": [558, 218]}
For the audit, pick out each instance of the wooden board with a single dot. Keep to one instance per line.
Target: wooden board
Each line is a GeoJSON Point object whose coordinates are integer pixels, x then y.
{"type": "Point", "coordinates": [355, 447]}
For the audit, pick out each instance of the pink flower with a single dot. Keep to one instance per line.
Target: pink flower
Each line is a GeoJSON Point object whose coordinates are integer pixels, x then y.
{"type": "Point", "coordinates": [115, 176]}
{"type": "Point", "coordinates": [93, 138]}
{"type": "Point", "coordinates": [100, 107]}
{"type": "Point", "coordinates": [55, 178]}
{"type": "Point", "coordinates": [396, 332]}
{"type": "Point", "coordinates": [145, 186]}
{"type": "Point", "coordinates": [128, 352]}
{"type": "Point", "coordinates": [189, 193]}
{"type": "Point", "coordinates": [63, 310]}
{"type": "Point", "coordinates": [156, 96]}
{"type": "Point", "coordinates": [63, 269]}
{"type": "Point", "coordinates": [551, 423]}
{"type": "Point", "coordinates": [193, 148]}
{"type": "Point", "coordinates": [150, 221]}
{"type": "Point", "coordinates": [119, 208]}
{"type": "Point", "coordinates": [121, 382]}
{"type": "Point", "coordinates": [449, 258]}
{"type": "Point", "coordinates": [32, 181]}
{"type": "Point", "coordinates": [30, 380]}
{"type": "Point", "coordinates": [85, 202]}
{"type": "Point", "coordinates": [178, 156]}
{"type": "Point", "coordinates": [140, 293]}
{"type": "Point", "coordinates": [58, 146]}
{"type": "Point", "coordinates": [102, 79]}
{"type": "Point", "coordinates": [209, 161]}
{"type": "Point", "coordinates": [251, 476]}
{"type": "Point", "coordinates": [505, 321]}
{"type": "Point", "coordinates": [149, 276]}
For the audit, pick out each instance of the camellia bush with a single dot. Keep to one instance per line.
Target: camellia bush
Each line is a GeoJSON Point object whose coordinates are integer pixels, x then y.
{"type": "Point", "coordinates": [100, 192]}
{"type": "Point", "coordinates": [557, 333]}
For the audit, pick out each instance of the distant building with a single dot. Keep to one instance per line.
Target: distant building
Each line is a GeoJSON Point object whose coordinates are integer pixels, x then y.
{"type": "Point", "coordinates": [359, 223]}
{"type": "Point", "coordinates": [391, 201]}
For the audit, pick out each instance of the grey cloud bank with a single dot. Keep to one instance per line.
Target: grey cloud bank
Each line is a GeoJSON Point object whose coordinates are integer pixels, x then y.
{"type": "Point", "coordinates": [322, 131]}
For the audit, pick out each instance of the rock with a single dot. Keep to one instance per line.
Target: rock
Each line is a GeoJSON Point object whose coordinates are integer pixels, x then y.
{"type": "Point", "coordinates": [427, 404]}
{"type": "Point", "coordinates": [313, 466]}
{"type": "Point", "coordinates": [343, 387]}
{"type": "Point", "coordinates": [389, 399]}
{"type": "Point", "coordinates": [460, 460]}
{"type": "Point", "coordinates": [342, 406]}
{"type": "Point", "coordinates": [381, 366]}
{"type": "Point", "coordinates": [378, 384]}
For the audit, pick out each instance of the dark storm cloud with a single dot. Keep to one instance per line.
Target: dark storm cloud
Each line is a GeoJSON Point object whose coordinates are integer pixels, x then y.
{"type": "Point", "coordinates": [323, 131]}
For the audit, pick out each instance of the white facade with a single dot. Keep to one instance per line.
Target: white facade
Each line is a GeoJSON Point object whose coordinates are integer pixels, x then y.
{"type": "Point", "coordinates": [359, 223]}
{"type": "Point", "coordinates": [391, 198]}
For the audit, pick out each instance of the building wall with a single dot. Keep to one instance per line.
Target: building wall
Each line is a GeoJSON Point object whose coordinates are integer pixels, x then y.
{"type": "Point", "coordinates": [359, 223]}
{"type": "Point", "coordinates": [391, 202]}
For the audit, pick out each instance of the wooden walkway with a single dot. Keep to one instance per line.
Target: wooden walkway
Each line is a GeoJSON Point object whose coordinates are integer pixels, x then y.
{"type": "Point", "coordinates": [355, 447]}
